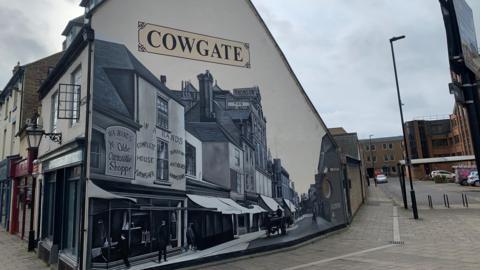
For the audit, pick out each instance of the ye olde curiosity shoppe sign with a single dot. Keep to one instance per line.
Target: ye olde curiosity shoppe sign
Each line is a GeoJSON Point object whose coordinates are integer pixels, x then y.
{"type": "Point", "coordinates": [173, 42]}
{"type": "Point", "coordinates": [120, 152]}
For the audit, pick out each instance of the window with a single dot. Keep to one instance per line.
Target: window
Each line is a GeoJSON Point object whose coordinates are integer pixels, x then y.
{"type": "Point", "coordinates": [6, 110]}
{"type": "Point", "coordinates": [385, 158]}
{"type": "Point", "coordinates": [237, 157]}
{"type": "Point", "coordinates": [385, 146]}
{"type": "Point", "coordinates": [95, 155]}
{"type": "Point", "coordinates": [49, 206]}
{"type": "Point", "coordinates": [368, 158]}
{"type": "Point", "coordinates": [372, 147]}
{"type": "Point", "coordinates": [71, 211]}
{"type": "Point", "coordinates": [12, 139]}
{"type": "Point", "coordinates": [374, 159]}
{"type": "Point", "coordinates": [390, 146]}
{"type": "Point", "coordinates": [162, 161]}
{"type": "Point", "coordinates": [76, 79]}
{"type": "Point", "coordinates": [392, 157]}
{"type": "Point", "coordinates": [368, 148]}
{"type": "Point", "coordinates": [190, 160]}
{"type": "Point", "coordinates": [236, 183]}
{"type": "Point", "coordinates": [54, 112]}
{"type": "Point", "coordinates": [162, 113]}
{"type": "Point", "coordinates": [3, 143]}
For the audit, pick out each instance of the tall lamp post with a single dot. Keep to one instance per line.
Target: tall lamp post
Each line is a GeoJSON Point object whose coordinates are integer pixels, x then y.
{"type": "Point", "coordinates": [371, 159]}
{"type": "Point", "coordinates": [34, 137]}
{"type": "Point", "coordinates": [407, 156]}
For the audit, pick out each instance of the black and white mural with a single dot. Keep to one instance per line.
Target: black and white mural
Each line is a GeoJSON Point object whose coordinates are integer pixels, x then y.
{"type": "Point", "coordinates": [187, 172]}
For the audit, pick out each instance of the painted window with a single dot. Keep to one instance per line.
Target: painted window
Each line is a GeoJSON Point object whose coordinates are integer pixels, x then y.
{"type": "Point", "coordinates": [237, 157]}
{"type": "Point", "coordinates": [162, 160]}
{"type": "Point", "coordinates": [190, 160]}
{"type": "Point", "coordinates": [162, 113]}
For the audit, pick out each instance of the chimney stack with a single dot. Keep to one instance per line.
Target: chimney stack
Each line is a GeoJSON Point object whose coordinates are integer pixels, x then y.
{"type": "Point", "coordinates": [163, 79]}
{"type": "Point", "coordinates": [16, 68]}
{"type": "Point", "coordinates": [205, 81]}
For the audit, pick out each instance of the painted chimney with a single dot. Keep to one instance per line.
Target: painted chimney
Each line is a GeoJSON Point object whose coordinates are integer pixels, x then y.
{"type": "Point", "coordinates": [163, 79]}
{"type": "Point", "coordinates": [205, 81]}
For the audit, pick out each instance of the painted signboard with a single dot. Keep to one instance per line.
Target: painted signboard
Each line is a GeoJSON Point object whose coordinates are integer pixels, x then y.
{"type": "Point", "coordinates": [173, 42]}
{"type": "Point", "coordinates": [120, 152]}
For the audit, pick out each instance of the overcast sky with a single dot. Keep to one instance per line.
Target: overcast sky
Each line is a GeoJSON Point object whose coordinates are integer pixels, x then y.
{"type": "Point", "coordinates": [339, 49]}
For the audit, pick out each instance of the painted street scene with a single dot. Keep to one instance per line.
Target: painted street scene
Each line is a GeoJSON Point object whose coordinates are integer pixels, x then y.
{"type": "Point", "coordinates": [243, 134]}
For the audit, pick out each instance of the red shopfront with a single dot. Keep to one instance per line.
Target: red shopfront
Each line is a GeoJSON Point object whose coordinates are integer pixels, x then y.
{"type": "Point", "coordinates": [22, 198]}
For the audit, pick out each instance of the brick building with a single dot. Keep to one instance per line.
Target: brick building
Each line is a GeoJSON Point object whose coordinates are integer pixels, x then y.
{"type": "Point", "coordinates": [18, 103]}
{"type": "Point", "coordinates": [439, 138]}
{"type": "Point", "coordinates": [382, 154]}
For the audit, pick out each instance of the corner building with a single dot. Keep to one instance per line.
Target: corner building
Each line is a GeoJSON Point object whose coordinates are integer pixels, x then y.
{"type": "Point", "coordinates": [125, 161]}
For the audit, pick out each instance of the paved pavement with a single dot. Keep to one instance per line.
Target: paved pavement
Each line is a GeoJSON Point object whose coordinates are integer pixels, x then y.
{"type": "Point", "coordinates": [436, 191]}
{"type": "Point", "coordinates": [14, 255]}
{"type": "Point", "coordinates": [382, 236]}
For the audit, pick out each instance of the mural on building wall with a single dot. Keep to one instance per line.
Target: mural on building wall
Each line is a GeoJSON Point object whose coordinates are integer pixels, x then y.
{"type": "Point", "coordinates": [139, 151]}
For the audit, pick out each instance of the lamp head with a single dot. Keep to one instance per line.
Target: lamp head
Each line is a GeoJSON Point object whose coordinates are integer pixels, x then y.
{"type": "Point", "coordinates": [397, 38]}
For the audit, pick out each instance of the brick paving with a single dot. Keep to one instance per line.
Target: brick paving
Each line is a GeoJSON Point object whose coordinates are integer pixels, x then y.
{"type": "Point", "coordinates": [14, 255]}
{"type": "Point", "coordinates": [441, 239]}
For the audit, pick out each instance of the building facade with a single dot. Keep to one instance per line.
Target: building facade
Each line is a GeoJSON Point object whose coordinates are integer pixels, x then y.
{"type": "Point", "coordinates": [382, 154]}
{"type": "Point", "coordinates": [18, 103]}
{"type": "Point", "coordinates": [124, 155]}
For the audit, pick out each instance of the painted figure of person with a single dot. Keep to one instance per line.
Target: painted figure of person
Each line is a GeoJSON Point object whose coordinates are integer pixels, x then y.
{"type": "Point", "coordinates": [123, 246]}
{"type": "Point", "coordinates": [191, 241]}
{"type": "Point", "coordinates": [162, 242]}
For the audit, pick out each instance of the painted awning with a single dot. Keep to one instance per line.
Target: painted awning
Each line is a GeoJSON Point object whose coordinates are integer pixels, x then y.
{"type": "Point", "coordinates": [290, 205]}
{"type": "Point", "coordinates": [94, 191]}
{"type": "Point", "coordinates": [214, 203]}
{"type": "Point", "coordinates": [271, 203]}
{"type": "Point", "coordinates": [256, 209]}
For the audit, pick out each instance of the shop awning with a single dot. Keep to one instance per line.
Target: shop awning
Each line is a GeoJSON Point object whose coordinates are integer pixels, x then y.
{"type": "Point", "coordinates": [94, 191]}
{"type": "Point", "coordinates": [290, 205]}
{"type": "Point", "coordinates": [214, 203]}
{"type": "Point", "coordinates": [256, 209]}
{"type": "Point", "coordinates": [271, 203]}
{"type": "Point", "coordinates": [244, 210]}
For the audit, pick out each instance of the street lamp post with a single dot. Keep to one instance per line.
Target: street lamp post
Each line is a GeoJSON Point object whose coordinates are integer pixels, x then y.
{"type": "Point", "coordinates": [34, 137]}
{"type": "Point", "coordinates": [371, 159]}
{"type": "Point", "coordinates": [407, 156]}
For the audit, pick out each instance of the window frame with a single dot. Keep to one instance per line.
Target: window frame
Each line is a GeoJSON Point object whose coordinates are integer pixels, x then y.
{"type": "Point", "coordinates": [164, 161]}
{"type": "Point", "coordinates": [161, 120]}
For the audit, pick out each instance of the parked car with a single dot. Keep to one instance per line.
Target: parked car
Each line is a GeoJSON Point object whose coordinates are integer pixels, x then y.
{"type": "Point", "coordinates": [441, 173]}
{"type": "Point", "coordinates": [381, 178]}
{"type": "Point", "coordinates": [473, 179]}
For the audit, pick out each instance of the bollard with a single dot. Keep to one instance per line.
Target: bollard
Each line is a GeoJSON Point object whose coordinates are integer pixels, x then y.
{"type": "Point", "coordinates": [444, 201]}
{"type": "Point", "coordinates": [430, 202]}
{"type": "Point", "coordinates": [463, 199]}
{"type": "Point", "coordinates": [466, 200]}
{"type": "Point", "coordinates": [448, 202]}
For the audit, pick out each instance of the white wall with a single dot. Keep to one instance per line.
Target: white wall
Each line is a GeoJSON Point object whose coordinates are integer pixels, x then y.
{"type": "Point", "coordinates": [175, 136]}
{"type": "Point", "coordinates": [69, 132]}
{"type": "Point", "coordinates": [293, 136]}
